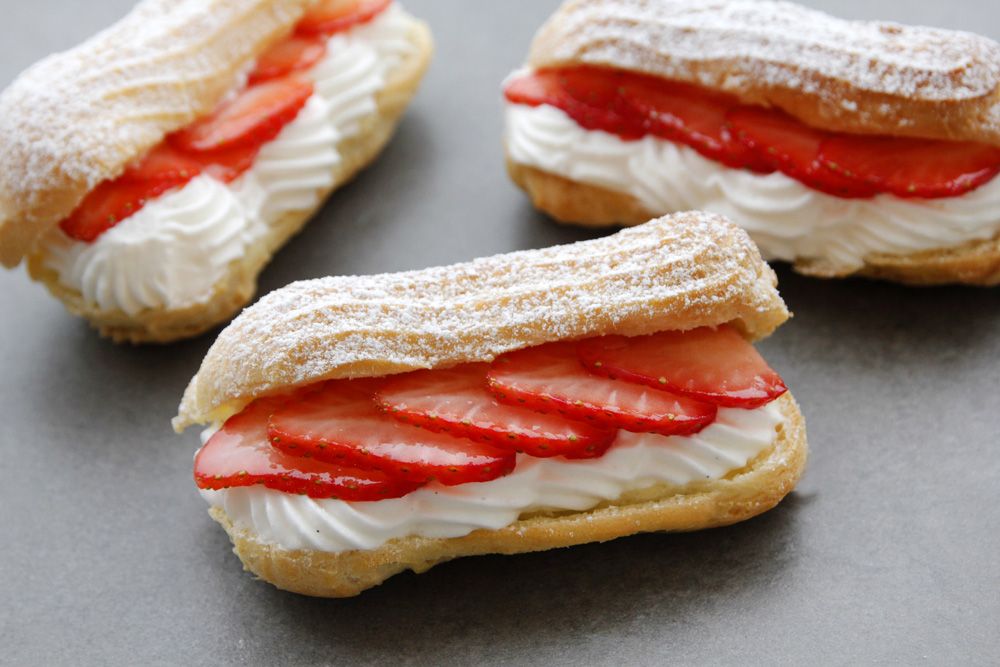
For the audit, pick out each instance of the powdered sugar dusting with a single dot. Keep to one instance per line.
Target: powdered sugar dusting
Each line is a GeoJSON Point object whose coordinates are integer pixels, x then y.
{"type": "Point", "coordinates": [77, 118]}
{"type": "Point", "coordinates": [881, 57]}
{"type": "Point", "coordinates": [742, 45]}
{"type": "Point", "coordinates": [682, 271]}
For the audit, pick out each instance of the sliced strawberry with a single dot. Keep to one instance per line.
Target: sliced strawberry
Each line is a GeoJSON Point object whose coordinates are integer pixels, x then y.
{"type": "Point", "coordinates": [634, 105]}
{"type": "Point", "coordinates": [459, 402]}
{"type": "Point", "coordinates": [104, 207]}
{"type": "Point", "coordinates": [163, 164]}
{"type": "Point", "coordinates": [912, 167]}
{"type": "Point", "coordinates": [792, 147]}
{"type": "Point", "coordinates": [223, 145]}
{"type": "Point", "coordinates": [692, 116]}
{"type": "Point", "coordinates": [331, 16]}
{"type": "Point", "coordinates": [550, 378]}
{"type": "Point", "coordinates": [227, 165]}
{"type": "Point", "coordinates": [714, 365]}
{"type": "Point", "coordinates": [534, 88]}
{"type": "Point", "coordinates": [341, 423]}
{"type": "Point", "coordinates": [588, 95]}
{"type": "Point", "coordinates": [252, 118]}
{"type": "Point", "coordinates": [162, 169]}
{"type": "Point", "coordinates": [292, 54]}
{"type": "Point", "coordinates": [239, 455]}
{"type": "Point", "coordinates": [108, 204]}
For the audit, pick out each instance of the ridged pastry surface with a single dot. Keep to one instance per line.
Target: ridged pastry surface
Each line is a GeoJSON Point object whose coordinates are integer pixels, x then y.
{"type": "Point", "coordinates": [408, 49]}
{"type": "Point", "coordinates": [678, 272]}
{"type": "Point", "coordinates": [79, 117]}
{"type": "Point", "coordinates": [855, 76]}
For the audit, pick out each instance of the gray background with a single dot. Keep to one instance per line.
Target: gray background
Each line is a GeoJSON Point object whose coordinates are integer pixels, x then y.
{"type": "Point", "coordinates": [887, 553]}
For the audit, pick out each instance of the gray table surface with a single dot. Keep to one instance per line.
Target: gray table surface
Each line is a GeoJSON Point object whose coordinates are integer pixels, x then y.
{"type": "Point", "coordinates": [887, 552]}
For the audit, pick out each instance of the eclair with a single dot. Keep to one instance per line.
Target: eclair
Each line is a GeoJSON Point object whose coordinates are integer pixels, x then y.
{"type": "Point", "coordinates": [148, 175]}
{"type": "Point", "coordinates": [843, 147]}
{"type": "Point", "coordinates": [361, 426]}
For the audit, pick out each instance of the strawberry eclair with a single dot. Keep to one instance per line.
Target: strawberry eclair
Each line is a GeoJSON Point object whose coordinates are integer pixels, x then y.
{"type": "Point", "coordinates": [361, 426]}
{"type": "Point", "coordinates": [845, 147]}
{"type": "Point", "coordinates": [149, 174]}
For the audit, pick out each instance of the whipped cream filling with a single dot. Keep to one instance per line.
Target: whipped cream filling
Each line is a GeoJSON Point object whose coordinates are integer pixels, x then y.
{"type": "Point", "coordinates": [635, 462]}
{"type": "Point", "coordinates": [787, 219]}
{"type": "Point", "coordinates": [177, 247]}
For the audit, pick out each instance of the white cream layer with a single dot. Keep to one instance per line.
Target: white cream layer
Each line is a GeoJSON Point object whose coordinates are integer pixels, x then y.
{"type": "Point", "coordinates": [636, 461]}
{"type": "Point", "coordinates": [176, 248]}
{"type": "Point", "coordinates": [786, 219]}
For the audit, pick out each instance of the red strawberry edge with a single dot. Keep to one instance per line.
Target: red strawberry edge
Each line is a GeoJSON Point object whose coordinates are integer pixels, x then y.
{"type": "Point", "coordinates": [340, 423]}
{"type": "Point", "coordinates": [506, 427]}
{"type": "Point", "coordinates": [760, 139]}
{"type": "Point", "coordinates": [240, 455]}
{"type": "Point", "coordinates": [329, 17]}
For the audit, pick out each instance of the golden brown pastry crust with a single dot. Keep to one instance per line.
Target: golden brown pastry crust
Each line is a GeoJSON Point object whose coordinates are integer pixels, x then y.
{"type": "Point", "coordinates": [79, 117]}
{"type": "Point", "coordinates": [846, 76]}
{"type": "Point", "coordinates": [572, 202]}
{"type": "Point", "coordinates": [679, 272]}
{"type": "Point", "coordinates": [238, 286]}
{"type": "Point", "coordinates": [973, 263]}
{"type": "Point", "coordinates": [575, 203]}
{"type": "Point", "coordinates": [745, 493]}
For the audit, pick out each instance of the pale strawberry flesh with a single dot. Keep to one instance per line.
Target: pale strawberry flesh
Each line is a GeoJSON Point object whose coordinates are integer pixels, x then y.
{"type": "Point", "coordinates": [458, 401]}
{"type": "Point", "coordinates": [550, 378]}
{"type": "Point", "coordinates": [292, 54]}
{"type": "Point", "coordinates": [252, 118]}
{"type": "Point", "coordinates": [712, 365]}
{"type": "Point", "coordinates": [163, 164]}
{"type": "Point", "coordinates": [793, 148]}
{"type": "Point", "coordinates": [592, 100]}
{"type": "Point", "coordinates": [340, 422]}
{"type": "Point", "coordinates": [239, 455]}
{"type": "Point", "coordinates": [229, 164]}
{"type": "Point", "coordinates": [912, 167]}
{"type": "Point", "coordinates": [332, 16]}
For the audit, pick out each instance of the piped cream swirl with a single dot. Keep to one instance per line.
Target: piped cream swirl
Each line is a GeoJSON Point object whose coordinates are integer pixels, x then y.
{"type": "Point", "coordinates": [291, 172]}
{"type": "Point", "coordinates": [164, 255]}
{"type": "Point", "coordinates": [357, 64]}
{"type": "Point", "coordinates": [635, 462]}
{"type": "Point", "coordinates": [787, 219]}
{"type": "Point", "coordinates": [175, 249]}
